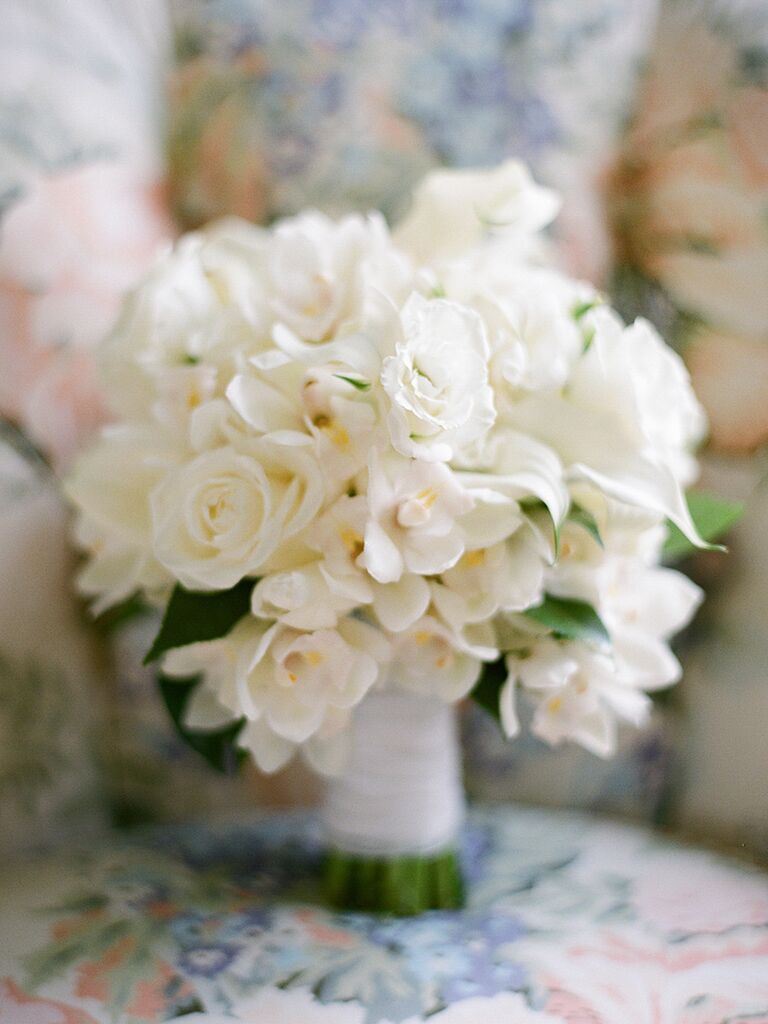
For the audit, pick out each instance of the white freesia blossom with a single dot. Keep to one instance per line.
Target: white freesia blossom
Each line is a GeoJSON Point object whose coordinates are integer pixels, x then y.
{"type": "Point", "coordinates": [413, 512]}
{"type": "Point", "coordinates": [431, 659]}
{"type": "Point", "coordinates": [437, 380]}
{"type": "Point", "coordinates": [295, 680]}
{"type": "Point", "coordinates": [399, 445]}
{"type": "Point", "coordinates": [508, 576]}
{"type": "Point", "coordinates": [578, 693]}
{"type": "Point", "coordinates": [453, 209]}
{"type": "Point", "coordinates": [340, 535]}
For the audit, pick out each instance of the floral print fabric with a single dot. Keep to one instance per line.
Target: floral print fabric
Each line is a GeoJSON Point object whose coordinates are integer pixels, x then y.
{"type": "Point", "coordinates": [578, 919]}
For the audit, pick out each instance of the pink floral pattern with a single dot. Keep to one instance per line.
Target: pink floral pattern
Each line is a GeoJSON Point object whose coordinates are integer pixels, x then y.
{"type": "Point", "coordinates": [574, 921]}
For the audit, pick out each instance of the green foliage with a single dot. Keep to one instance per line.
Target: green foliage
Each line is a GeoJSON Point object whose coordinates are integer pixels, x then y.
{"type": "Point", "coordinates": [587, 521]}
{"type": "Point", "coordinates": [713, 517]}
{"type": "Point", "coordinates": [486, 692]}
{"type": "Point", "coordinates": [194, 616]}
{"type": "Point", "coordinates": [357, 382]}
{"type": "Point", "coordinates": [219, 747]}
{"type": "Point", "coordinates": [570, 620]}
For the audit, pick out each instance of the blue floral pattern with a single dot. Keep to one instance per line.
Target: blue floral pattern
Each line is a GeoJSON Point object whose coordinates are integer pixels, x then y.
{"type": "Point", "coordinates": [203, 918]}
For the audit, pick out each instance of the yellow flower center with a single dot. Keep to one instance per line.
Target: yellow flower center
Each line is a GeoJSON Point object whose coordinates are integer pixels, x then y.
{"type": "Point", "coordinates": [352, 541]}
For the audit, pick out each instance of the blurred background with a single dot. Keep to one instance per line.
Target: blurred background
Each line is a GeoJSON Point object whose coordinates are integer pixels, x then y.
{"type": "Point", "coordinates": [126, 122]}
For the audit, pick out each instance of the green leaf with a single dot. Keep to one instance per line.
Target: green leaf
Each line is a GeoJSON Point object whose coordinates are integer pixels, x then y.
{"type": "Point", "coordinates": [582, 308]}
{"type": "Point", "coordinates": [713, 517]}
{"type": "Point", "coordinates": [356, 382]}
{"type": "Point", "coordinates": [570, 620]}
{"type": "Point", "coordinates": [219, 748]}
{"type": "Point", "coordinates": [192, 616]}
{"type": "Point", "coordinates": [587, 521]}
{"type": "Point", "coordinates": [486, 692]}
{"type": "Point", "coordinates": [115, 618]}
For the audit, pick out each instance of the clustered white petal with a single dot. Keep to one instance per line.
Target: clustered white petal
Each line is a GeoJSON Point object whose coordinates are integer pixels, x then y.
{"type": "Point", "coordinates": [397, 440]}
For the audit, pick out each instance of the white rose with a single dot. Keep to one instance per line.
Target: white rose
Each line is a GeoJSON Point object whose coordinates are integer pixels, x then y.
{"type": "Point", "coordinates": [437, 380]}
{"type": "Point", "coordinates": [110, 485]}
{"type": "Point", "coordinates": [196, 297]}
{"type": "Point", "coordinates": [319, 272]}
{"type": "Point", "coordinates": [221, 516]}
{"type": "Point", "coordinates": [453, 209]}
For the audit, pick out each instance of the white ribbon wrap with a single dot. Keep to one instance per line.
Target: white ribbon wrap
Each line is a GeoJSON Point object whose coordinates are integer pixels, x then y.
{"type": "Point", "coordinates": [401, 791]}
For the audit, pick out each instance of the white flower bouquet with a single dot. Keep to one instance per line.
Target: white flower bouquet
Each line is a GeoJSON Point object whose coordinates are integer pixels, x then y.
{"type": "Point", "coordinates": [367, 474]}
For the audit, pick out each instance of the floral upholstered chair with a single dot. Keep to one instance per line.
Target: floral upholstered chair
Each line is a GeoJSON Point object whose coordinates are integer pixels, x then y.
{"type": "Point", "coordinates": [123, 123]}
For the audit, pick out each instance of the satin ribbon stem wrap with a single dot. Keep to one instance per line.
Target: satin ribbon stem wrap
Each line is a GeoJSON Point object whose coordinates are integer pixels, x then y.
{"type": "Point", "coordinates": [392, 818]}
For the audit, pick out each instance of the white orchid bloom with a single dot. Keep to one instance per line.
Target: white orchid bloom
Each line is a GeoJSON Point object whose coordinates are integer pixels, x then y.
{"type": "Point", "coordinates": [453, 209]}
{"type": "Point", "coordinates": [437, 379]}
{"type": "Point", "coordinates": [413, 511]}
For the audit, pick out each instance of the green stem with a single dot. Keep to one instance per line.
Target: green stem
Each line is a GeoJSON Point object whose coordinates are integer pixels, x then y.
{"type": "Point", "coordinates": [394, 885]}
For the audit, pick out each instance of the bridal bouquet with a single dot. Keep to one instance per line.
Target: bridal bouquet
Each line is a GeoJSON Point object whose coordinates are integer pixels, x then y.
{"type": "Point", "coordinates": [366, 473]}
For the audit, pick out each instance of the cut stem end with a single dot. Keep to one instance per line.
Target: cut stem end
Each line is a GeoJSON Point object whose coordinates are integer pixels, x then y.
{"type": "Point", "coordinates": [394, 885]}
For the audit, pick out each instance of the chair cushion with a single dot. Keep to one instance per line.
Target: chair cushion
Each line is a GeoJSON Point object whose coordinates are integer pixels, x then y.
{"type": "Point", "coordinates": [581, 919]}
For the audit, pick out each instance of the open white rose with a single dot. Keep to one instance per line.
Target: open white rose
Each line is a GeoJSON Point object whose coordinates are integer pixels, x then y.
{"type": "Point", "coordinates": [206, 283]}
{"type": "Point", "coordinates": [437, 380]}
{"type": "Point", "coordinates": [453, 209]}
{"type": "Point", "coordinates": [221, 516]}
{"type": "Point", "coordinates": [319, 272]}
{"type": "Point", "coordinates": [111, 484]}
